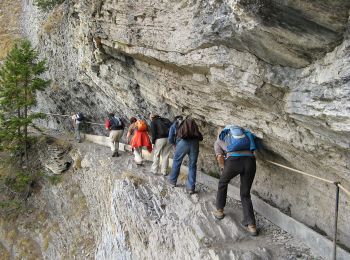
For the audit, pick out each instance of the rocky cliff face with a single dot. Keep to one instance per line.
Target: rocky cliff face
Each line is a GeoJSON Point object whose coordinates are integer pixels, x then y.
{"type": "Point", "coordinates": [280, 68]}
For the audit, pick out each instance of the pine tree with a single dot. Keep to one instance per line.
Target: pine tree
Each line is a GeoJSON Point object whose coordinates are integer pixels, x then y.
{"type": "Point", "coordinates": [19, 81]}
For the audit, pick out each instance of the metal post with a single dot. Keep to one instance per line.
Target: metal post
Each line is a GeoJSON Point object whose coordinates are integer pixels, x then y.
{"type": "Point", "coordinates": [336, 221]}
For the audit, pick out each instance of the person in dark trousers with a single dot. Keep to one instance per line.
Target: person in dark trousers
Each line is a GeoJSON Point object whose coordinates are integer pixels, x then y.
{"type": "Point", "coordinates": [240, 160]}
{"type": "Point", "coordinates": [187, 143]}
{"type": "Point", "coordinates": [77, 121]}
{"type": "Point", "coordinates": [116, 127]}
{"type": "Point", "coordinates": [220, 151]}
{"type": "Point", "coordinates": [161, 147]}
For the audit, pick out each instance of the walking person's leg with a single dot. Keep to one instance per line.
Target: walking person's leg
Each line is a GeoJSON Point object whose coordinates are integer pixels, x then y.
{"type": "Point", "coordinates": [247, 178]}
{"type": "Point", "coordinates": [112, 142]}
{"type": "Point", "coordinates": [77, 132]}
{"type": "Point", "coordinates": [192, 165]}
{"type": "Point", "coordinates": [117, 137]}
{"type": "Point", "coordinates": [180, 152]}
{"type": "Point", "coordinates": [157, 148]}
{"type": "Point", "coordinates": [165, 157]}
{"type": "Point", "coordinates": [137, 154]}
{"type": "Point", "coordinates": [231, 169]}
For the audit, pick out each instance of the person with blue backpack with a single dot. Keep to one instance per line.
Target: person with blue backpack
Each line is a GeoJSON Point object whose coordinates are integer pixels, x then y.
{"type": "Point", "coordinates": [116, 127]}
{"type": "Point", "coordinates": [239, 160]}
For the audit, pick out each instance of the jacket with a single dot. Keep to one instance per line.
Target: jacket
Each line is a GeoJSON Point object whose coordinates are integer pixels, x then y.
{"type": "Point", "coordinates": [158, 129]}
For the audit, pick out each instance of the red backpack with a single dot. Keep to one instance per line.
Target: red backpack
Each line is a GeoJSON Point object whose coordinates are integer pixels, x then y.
{"type": "Point", "coordinates": [141, 125]}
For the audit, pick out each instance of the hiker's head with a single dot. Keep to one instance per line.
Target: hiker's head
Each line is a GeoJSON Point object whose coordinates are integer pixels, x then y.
{"type": "Point", "coordinates": [110, 114]}
{"type": "Point", "coordinates": [178, 118]}
{"type": "Point", "coordinates": [133, 120]}
{"type": "Point", "coordinates": [218, 130]}
{"type": "Point", "coordinates": [152, 116]}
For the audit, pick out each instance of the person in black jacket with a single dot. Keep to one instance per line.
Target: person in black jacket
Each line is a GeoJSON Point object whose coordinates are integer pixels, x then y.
{"type": "Point", "coordinates": [159, 132]}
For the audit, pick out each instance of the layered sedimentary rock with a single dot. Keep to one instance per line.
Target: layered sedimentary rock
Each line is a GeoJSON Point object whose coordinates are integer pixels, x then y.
{"type": "Point", "coordinates": [280, 68]}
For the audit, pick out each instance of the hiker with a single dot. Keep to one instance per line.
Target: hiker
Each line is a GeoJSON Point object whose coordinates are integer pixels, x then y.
{"type": "Point", "coordinates": [131, 129]}
{"type": "Point", "coordinates": [77, 121]}
{"type": "Point", "coordinates": [139, 140]}
{"type": "Point", "coordinates": [161, 148]}
{"type": "Point", "coordinates": [116, 127]}
{"type": "Point", "coordinates": [240, 160]}
{"type": "Point", "coordinates": [185, 135]}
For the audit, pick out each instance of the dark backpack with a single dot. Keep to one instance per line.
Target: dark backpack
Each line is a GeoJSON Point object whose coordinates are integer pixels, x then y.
{"type": "Point", "coordinates": [115, 123]}
{"type": "Point", "coordinates": [188, 129]}
{"type": "Point", "coordinates": [165, 125]}
{"type": "Point", "coordinates": [80, 117]}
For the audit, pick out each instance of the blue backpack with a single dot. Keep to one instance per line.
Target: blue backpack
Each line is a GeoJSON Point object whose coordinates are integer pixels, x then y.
{"type": "Point", "coordinates": [235, 138]}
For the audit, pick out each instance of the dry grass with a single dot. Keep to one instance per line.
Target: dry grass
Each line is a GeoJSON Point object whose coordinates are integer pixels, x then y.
{"type": "Point", "coordinates": [9, 25]}
{"type": "Point", "coordinates": [4, 254]}
{"type": "Point", "coordinates": [136, 180]}
{"type": "Point", "coordinates": [54, 20]}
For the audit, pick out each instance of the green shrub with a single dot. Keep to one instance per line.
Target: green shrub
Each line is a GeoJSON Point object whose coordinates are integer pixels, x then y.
{"type": "Point", "coordinates": [47, 5]}
{"type": "Point", "coordinates": [20, 182]}
{"type": "Point", "coordinates": [54, 179]}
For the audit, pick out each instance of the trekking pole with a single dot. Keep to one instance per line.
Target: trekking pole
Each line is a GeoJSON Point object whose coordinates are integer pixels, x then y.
{"type": "Point", "coordinates": [336, 221]}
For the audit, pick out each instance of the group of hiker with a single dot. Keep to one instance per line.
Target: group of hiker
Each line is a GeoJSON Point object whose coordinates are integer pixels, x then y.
{"type": "Point", "coordinates": [234, 149]}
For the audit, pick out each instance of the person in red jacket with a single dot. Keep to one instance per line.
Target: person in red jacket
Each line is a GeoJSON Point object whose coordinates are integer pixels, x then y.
{"type": "Point", "coordinates": [139, 140]}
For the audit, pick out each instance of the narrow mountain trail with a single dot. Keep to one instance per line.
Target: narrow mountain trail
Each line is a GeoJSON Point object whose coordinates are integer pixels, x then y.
{"type": "Point", "coordinates": [109, 208]}
{"type": "Point", "coordinates": [163, 216]}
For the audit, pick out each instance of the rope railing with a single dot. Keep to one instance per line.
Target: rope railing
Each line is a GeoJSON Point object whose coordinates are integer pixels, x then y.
{"type": "Point", "coordinates": [343, 189]}
{"type": "Point", "coordinates": [336, 210]}
{"type": "Point", "coordinates": [337, 183]}
{"type": "Point", "coordinates": [301, 172]}
{"type": "Point", "coordinates": [69, 116]}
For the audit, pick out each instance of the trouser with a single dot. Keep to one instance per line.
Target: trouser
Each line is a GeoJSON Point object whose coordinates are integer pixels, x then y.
{"type": "Point", "coordinates": [245, 166]}
{"type": "Point", "coordinates": [114, 137]}
{"type": "Point", "coordinates": [138, 155]}
{"type": "Point", "coordinates": [162, 149]}
{"type": "Point", "coordinates": [184, 147]}
{"type": "Point", "coordinates": [77, 128]}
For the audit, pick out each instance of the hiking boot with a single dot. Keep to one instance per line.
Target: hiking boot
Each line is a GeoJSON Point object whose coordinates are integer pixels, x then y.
{"type": "Point", "coordinates": [219, 214]}
{"type": "Point", "coordinates": [251, 229]}
{"type": "Point", "coordinates": [190, 191]}
{"type": "Point", "coordinates": [172, 184]}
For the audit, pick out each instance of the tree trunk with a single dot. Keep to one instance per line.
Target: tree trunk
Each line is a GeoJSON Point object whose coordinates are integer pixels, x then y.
{"type": "Point", "coordinates": [26, 125]}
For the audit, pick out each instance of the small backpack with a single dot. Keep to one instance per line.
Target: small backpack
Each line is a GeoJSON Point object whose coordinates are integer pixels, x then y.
{"type": "Point", "coordinates": [80, 116]}
{"type": "Point", "coordinates": [165, 126]}
{"type": "Point", "coordinates": [141, 125]}
{"type": "Point", "coordinates": [115, 123]}
{"type": "Point", "coordinates": [235, 139]}
{"type": "Point", "coordinates": [188, 129]}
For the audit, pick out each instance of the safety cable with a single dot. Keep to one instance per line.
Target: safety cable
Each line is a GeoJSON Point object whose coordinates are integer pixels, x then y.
{"type": "Point", "coordinates": [312, 176]}
{"type": "Point", "coordinates": [304, 173]}
{"type": "Point", "coordinates": [85, 122]}
{"type": "Point", "coordinates": [343, 188]}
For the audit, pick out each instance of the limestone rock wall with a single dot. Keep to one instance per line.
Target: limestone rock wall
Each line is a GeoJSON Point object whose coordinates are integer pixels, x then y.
{"type": "Point", "coordinates": [280, 68]}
